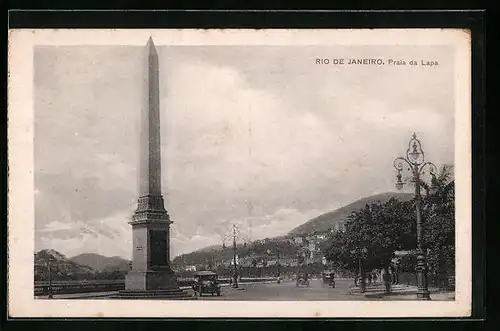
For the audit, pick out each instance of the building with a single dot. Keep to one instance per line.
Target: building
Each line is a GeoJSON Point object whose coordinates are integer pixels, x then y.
{"type": "Point", "coordinates": [298, 240]}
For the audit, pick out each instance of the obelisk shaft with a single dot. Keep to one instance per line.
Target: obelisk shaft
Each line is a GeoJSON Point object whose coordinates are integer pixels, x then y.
{"type": "Point", "coordinates": [150, 160]}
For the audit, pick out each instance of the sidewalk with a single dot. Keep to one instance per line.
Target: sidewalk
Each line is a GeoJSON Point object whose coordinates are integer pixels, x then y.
{"type": "Point", "coordinates": [401, 292]}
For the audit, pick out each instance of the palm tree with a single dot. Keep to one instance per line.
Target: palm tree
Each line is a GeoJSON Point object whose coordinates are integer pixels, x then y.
{"type": "Point", "coordinates": [442, 187]}
{"type": "Point", "coordinates": [439, 214]}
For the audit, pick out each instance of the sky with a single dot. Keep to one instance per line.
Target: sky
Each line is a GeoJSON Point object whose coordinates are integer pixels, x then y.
{"type": "Point", "coordinates": [259, 136]}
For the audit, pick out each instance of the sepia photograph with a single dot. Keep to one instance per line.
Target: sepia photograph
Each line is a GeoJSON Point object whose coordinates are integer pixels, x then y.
{"type": "Point", "coordinates": [189, 169]}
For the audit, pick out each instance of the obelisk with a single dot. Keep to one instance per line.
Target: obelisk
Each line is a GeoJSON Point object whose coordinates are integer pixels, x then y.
{"type": "Point", "coordinates": [151, 274]}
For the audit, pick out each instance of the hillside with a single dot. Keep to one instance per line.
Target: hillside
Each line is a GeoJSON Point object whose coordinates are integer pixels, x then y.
{"type": "Point", "coordinates": [328, 220]}
{"type": "Point", "coordinates": [208, 249]}
{"type": "Point", "coordinates": [215, 254]}
{"type": "Point", "coordinates": [60, 265]}
{"type": "Point", "coordinates": [101, 263]}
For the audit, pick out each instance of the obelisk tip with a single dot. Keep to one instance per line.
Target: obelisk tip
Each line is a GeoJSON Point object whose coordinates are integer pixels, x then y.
{"type": "Point", "coordinates": [150, 42]}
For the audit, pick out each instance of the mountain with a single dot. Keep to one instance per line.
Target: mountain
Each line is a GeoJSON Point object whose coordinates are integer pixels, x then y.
{"type": "Point", "coordinates": [330, 219]}
{"type": "Point", "coordinates": [59, 263]}
{"type": "Point", "coordinates": [101, 263]}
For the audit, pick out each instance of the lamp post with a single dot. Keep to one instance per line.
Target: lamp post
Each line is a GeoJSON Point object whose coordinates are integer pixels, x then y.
{"type": "Point", "coordinates": [48, 265]}
{"type": "Point", "coordinates": [235, 283]}
{"type": "Point", "coordinates": [362, 283]}
{"type": "Point", "coordinates": [277, 263]}
{"type": "Point", "coordinates": [235, 234]}
{"type": "Point", "coordinates": [415, 161]}
{"type": "Point", "coordinates": [300, 260]}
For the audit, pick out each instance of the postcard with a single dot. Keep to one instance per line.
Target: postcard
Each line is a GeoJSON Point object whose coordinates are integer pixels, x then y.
{"type": "Point", "coordinates": [239, 173]}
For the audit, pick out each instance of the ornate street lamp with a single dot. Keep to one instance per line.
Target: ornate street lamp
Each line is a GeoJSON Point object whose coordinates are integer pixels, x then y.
{"type": "Point", "coordinates": [235, 236]}
{"type": "Point", "coordinates": [415, 163]}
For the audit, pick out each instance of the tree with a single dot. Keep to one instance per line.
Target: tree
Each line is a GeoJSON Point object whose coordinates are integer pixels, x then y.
{"type": "Point", "coordinates": [439, 210]}
{"type": "Point", "coordinates": [337, 251]}
{"type": "Point", "coordinates": [372, 233]}
{"type": "Point", "coordinates": [383, 228]}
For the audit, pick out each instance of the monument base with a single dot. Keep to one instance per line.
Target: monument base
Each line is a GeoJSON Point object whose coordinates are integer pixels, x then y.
{"type": "Point", "coordinates": [145, 280]}
{"type": "Point", "coordinates": [152, 284]}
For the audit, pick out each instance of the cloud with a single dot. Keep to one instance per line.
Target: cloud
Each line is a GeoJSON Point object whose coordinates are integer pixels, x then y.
{"type": "Point", "coordinates": [239, 139]}
{"type": "Point", "coordinates": [111, 236]}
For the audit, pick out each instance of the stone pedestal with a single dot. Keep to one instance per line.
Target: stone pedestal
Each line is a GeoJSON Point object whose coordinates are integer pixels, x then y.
{"type": "Point", "coordinates": [150, 280]}
{"type": "Point", "coordinates": [151, 276]}
{"type": "Point", "coordinates": [152, 284]}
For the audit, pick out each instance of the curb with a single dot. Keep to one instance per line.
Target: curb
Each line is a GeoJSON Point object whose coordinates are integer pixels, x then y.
{"type": "Point", "coordinates": [395, 295]}
{"type": "Point", "coordinates": [106, 294]}
{"type": "Point", "coordinates": [378, 295]}
{"type": "Point", "coordinates": [381, 291]}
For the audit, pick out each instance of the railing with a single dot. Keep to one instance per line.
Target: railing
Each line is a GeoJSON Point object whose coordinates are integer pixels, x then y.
{"type": "Point", "coordinates": [71, 286]}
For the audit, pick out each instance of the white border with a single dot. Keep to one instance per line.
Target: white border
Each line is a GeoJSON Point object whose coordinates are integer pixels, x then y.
{"type": "Point", "coordinates": [21, 302]}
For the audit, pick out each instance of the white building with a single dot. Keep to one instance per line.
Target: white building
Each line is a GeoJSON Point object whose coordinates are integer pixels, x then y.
{"type": "Point", "coordinates": [298, 240]}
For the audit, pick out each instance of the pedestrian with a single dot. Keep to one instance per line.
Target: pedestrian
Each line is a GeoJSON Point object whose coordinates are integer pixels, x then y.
{"type": "Point", "coordinates": [374, 276]}
{"type": "Point", "coordinates": [393, 274]}
{"type": "Point", "coordinates": [369, 276]}
{"type": "Point", "coordinates": [387, 282]}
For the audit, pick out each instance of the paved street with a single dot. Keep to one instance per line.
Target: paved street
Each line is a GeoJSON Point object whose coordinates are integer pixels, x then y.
{"type": "Point", "coordinates": [260, 291]}
{"type": "Point", "coordinates": [288, 291]}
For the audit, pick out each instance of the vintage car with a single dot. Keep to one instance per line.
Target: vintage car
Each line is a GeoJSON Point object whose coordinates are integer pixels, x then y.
{"type": "Point", "coordinates": [206, 282]}
{"type": "Point", "coordinates": [302, 280]}
{"type": "Point", "coordinates": [328, 278]}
